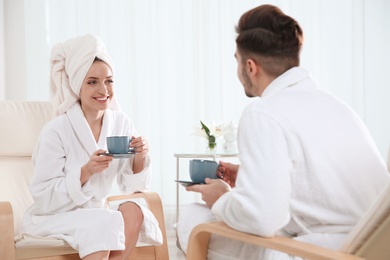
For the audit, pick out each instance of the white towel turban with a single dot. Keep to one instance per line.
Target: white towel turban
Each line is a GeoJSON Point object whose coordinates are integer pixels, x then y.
{"type": "Point", "coordinates": [70, 62]}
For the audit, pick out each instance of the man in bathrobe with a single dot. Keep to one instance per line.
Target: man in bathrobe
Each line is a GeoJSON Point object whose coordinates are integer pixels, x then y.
{"type": "Point", "coordinates": [308, 169]}
{"type": "Point", "coordinates": [71, 179]}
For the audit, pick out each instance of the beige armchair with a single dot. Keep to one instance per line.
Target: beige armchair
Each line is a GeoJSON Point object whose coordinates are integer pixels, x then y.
{"type": "Point", "coordinates": [21, 123]}
{"type": "Point", "coordinates": [368, 240]}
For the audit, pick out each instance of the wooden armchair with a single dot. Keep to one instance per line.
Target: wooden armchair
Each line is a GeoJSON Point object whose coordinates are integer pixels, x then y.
{"type": "Point", "coordinates": [368, 240]}
{"type": "Point", "coordinates": [21, 123]}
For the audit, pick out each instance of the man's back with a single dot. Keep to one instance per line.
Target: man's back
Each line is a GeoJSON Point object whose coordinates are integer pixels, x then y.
{"type": "Point", "coordinates": [335, 170]}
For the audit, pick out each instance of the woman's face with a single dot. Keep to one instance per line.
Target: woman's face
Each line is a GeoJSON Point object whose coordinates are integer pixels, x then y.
{"type": "Point", "coordinates": [97, 89]}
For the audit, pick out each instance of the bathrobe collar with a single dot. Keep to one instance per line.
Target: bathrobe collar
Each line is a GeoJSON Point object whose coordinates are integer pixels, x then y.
{"type": "Point", "coordinates": [83, 131]}
{"type": "Point", "coordinates": [288, 79]}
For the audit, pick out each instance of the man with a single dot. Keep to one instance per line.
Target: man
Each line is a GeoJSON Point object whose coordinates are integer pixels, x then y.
{"type": "Point", "coordinates": [309, 167]}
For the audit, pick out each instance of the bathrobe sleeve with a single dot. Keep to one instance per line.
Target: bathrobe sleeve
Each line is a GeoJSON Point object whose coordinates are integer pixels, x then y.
{"type": "Point", "coordinates": [127, 181]}
{"type": "Point", "coordinates": [55, 187]}
{"type": "Point", "coordinates": [262, 192]}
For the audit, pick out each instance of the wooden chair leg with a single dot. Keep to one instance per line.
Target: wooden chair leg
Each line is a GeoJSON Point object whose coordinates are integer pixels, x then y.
{"type": "Point", "coordinates": [7, 242]}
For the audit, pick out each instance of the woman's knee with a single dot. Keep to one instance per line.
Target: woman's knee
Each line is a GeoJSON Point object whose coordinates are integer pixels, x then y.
{"type": "Point", "coordinates": [131, 210]}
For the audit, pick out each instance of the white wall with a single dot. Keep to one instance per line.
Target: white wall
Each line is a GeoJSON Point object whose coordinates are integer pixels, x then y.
{"type": "Point", "coordinates": [2, 72]}
{"type": "Point", "coordinates": [15, 50]}
{"type": "Point", "coordinates": [376, 71]}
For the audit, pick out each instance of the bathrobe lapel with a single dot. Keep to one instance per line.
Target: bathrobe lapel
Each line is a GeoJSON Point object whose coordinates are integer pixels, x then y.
{"type": "Point", "coordinates": [288, 79]}
{"type": "Point", "coordinates": [107, 129]}
{"type": "Point", "coordinates": [83, 131]}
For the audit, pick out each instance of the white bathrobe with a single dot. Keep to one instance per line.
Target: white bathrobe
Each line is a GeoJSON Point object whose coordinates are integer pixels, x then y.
{"type": "Point", "coordinates": [309, 169]}
{"type": "Point", "coordinates": [65, 209]}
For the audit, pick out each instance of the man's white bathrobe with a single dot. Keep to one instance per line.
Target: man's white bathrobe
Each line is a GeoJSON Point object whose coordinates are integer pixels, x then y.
{"type": "Point", "coordinates": [309, 169]}
{"type": "Point", "coordinates": [78, 214]}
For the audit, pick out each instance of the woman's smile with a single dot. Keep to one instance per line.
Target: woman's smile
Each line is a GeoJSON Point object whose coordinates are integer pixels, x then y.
{"type": "Point", "coordinates": [102, 99]}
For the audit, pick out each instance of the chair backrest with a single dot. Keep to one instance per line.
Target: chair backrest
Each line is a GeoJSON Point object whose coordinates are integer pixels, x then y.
{"type": "Point", "coordinates": [21, 123]}
{"type": "Point", "coordinates": [370, 237]}
{"type": "Point", "coordinates": [388, 159]}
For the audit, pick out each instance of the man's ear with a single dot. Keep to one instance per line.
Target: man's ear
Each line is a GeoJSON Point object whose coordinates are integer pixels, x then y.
{"type": "Point", "coordinates": [252, 68]}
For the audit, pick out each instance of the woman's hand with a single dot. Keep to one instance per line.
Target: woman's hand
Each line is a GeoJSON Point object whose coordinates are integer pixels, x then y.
{"type": "Point", "coordinates": [140, 145]}
{"type": "Point", "coordinates": [228, 172]}
{"type": "Point", "coordinates": [96, 164]}
{"type": "Point", "coordinates": [141, 148]}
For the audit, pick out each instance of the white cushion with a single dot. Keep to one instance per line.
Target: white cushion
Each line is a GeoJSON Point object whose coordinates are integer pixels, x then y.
{"type": "Point", "coordinates": [15, 174]}
{"type": "Point", "coordinates": [21, 123]}
{"type": "Point", "coordinates": [29, 241]}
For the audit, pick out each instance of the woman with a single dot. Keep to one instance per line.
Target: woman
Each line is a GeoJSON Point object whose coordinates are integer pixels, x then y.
{"type": "Point", "coordinates": [71, 179]}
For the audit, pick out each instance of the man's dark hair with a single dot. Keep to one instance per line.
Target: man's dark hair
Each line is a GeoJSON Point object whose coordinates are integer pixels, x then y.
{"type": "Point", "coordinates": [271, 38]}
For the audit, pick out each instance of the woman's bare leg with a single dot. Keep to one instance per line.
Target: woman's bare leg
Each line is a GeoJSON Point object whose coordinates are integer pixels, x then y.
{"type": "Point", "coordinates": [133, 218]}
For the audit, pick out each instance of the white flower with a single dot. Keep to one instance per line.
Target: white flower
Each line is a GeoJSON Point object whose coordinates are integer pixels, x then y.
{"type": "Point", "coordinates": [200, 132]}
{"type": "Point", "coordinates": [208, 130]}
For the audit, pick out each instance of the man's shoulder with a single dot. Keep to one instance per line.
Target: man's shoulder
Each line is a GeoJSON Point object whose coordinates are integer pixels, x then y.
{"type": "Point", "coordinates": [262, 105]}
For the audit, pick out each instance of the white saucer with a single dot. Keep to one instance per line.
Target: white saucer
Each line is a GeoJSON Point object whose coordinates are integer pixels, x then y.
{"type": "Point", "coordinates": [118, 155]}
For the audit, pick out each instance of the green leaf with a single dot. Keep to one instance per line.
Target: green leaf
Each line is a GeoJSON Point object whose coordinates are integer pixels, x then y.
{"type": "Point", "coordinates": [206, 129]}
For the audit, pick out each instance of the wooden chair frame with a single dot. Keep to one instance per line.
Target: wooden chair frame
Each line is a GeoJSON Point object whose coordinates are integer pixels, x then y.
{"type": "Point", "coordinates": [200, 237]}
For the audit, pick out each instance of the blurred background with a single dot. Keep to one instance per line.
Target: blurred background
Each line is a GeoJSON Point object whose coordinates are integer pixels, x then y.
{"type": "Point", "coordinates": [174, 63]}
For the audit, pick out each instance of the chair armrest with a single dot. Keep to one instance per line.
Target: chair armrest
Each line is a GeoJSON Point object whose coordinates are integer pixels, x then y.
{"type": "Point", "coordinates": [200, 236]}
{"type": "Point", "coordinates": [154, 204]}
{"type": "Point", "coordinates": [7, 235]}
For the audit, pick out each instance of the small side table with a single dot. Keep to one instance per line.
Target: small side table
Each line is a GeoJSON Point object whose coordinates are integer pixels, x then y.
{"type": "Point", "coordinates": [194, 156]}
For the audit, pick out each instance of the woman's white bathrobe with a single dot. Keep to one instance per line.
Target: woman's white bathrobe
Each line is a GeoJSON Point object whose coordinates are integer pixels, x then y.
{"type": "Point", "coordinates": [78, 214]}
{"type": "Point", "coordinates": [309, 169]}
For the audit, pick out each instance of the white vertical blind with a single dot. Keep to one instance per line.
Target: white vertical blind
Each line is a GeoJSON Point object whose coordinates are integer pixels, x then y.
{"type": "Point", "coordinates": [2, 64]}
{"type": "Point", "coordinates": [174, 61]}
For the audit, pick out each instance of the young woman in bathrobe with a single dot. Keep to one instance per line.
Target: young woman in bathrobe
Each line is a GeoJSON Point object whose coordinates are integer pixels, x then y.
{"type": "Point", "coordinates": [308, 169]}
{"type": "Point", "coordinates": [71, 180]}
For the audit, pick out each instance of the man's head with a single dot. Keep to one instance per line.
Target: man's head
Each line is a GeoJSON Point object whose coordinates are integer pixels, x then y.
{"type": "Point", "coordinates": [268, 39]}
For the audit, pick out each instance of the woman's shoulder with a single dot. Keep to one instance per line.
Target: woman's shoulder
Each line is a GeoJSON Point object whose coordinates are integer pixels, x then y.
{"type": "Point", "coordinates": [56, 124]}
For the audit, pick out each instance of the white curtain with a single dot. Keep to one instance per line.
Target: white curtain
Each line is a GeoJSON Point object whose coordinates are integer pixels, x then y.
{"type": "Point", "coordinates": [174, 61]}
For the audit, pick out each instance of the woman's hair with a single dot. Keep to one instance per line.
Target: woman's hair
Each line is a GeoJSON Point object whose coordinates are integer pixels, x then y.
{"type": "Point", "coordinates": [271, 38]}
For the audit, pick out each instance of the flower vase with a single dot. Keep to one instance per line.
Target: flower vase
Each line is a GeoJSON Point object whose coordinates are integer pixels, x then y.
{"type": "Point", "coordinates": [211, 145]}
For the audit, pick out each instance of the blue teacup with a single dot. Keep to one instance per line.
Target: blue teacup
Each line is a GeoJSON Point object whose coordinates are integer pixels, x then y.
{"type": "Point", "coordinates": [118, 144]}
{"type": "Point", "coordinates": [202, 169]}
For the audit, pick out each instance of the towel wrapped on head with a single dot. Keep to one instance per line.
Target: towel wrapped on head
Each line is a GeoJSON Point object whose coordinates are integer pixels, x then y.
{"type": "Point", "coordinates": [70, 62]}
